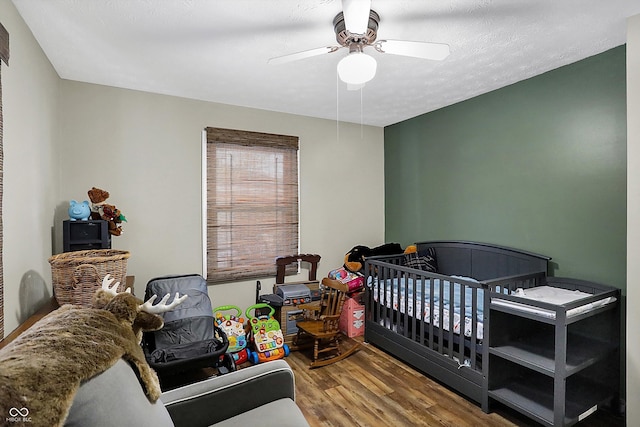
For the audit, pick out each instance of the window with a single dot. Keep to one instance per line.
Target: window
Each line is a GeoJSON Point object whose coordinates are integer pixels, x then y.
{"type": "Point", "coordinates": [251, 203]}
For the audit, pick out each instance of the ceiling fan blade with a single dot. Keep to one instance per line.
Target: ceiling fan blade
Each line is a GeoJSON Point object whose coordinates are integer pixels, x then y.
{"type": "Point", "coordinates": [356, 15]}
{"type": "Point", "coordinates": [424, 50]}
{"type": "Point", "coordinates": [302, 55]}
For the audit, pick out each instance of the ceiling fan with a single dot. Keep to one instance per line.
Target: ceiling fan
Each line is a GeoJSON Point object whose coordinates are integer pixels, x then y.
{"type": "Point", "coordinates": [356, 28]}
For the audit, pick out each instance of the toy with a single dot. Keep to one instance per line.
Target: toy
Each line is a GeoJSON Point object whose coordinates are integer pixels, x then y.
{"type": "Point", "coordinates": [114, 217]}
{"type": "Point", "coordinates": [266, 336]}
{"type": "Point", "coordinates": [79, 211]}
{"type": "Point", "coordinates": [233, 326]}
{"type": "Point", "coordinates": [97, 197]}
{"type": "Point", "coordinates": [102, 210]}
{"type": "Point", "coordinates": [44, 367]}
{"type": "Point", "coordinates": [354, 259]}
{"type": "Point", "coordinates": [354, 281]}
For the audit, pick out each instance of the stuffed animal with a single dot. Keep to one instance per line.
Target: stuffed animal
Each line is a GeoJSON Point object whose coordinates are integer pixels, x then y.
{"type": "Point", "coordinates": [411, 249]}
{"type": "Point", "coordinates": [114, 217]}
{"type": "Point", "coordinates": [43, 368]}
{"type": "Point", "coordinates": [97, 197]}
{"type": "Point", "coordinates": [354, 259]}
{"type": "Point", "coordinates": [100, 209]}
{"type": "Point", "coordinates": [79, 211]}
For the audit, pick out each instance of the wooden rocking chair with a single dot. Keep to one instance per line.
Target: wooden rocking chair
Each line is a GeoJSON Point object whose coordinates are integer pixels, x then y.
{"type": "Point", "coordinates": [321, 328]}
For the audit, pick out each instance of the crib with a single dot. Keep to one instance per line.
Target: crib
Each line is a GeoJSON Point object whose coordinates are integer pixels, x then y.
{"type": "Point", "coordinates": [441, 322]}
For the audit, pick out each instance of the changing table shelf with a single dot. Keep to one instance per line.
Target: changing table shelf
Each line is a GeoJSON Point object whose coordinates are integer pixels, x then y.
{"type": "Point", "coordinates": [534, 398]}
{"type": "Point", "coordinates": [537, 353]}
{"type": "Point", "coordinates": [557, 371]}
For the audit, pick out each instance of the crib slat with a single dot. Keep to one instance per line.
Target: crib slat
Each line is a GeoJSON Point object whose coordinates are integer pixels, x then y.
{"type": "Point", "coordinates": [450, 351]}
{"type": "Point", "coordinates": [440, 317]}
{"type": "Point", "coordinates": [404, 322]}
{"type": "Point", "coordinates": [382, 294]}
{"type": "Point", "coordinates": [416, 315]}
{"type": "Point", "coordinates": [463, 323]}
{"type": "Point", "coordinates": [474, 328]}
{"type": "Point", "coordinates": [419, 322]}
{"type": "Point", "coordinates": [432, 317]}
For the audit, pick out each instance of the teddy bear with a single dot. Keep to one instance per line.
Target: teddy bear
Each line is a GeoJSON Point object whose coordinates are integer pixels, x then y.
{"type": "Point", "coordinates": [114, 217]}
{"type": "Point", "coordinates": [100, 209]}
{"type": "Point", "coordinates": [97, 197]}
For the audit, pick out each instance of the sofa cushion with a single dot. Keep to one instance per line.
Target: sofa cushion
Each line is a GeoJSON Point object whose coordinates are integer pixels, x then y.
{"type": "Point", "coordinates": [219, 398]}
{"type": "Point", "coordinates": [282, 413]}
{"type": "Point", "coordinates": [115, 398]}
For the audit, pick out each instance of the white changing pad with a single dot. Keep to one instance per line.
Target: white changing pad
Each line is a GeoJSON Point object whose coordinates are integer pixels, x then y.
{"type": "Point", "coordinates": [551, 295]}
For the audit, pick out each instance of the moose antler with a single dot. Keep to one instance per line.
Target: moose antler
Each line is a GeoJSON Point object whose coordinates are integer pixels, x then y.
{"type": "Point", "coordinates": [162, 306]}
{"type": "Point", "coordinates": [106, 281]}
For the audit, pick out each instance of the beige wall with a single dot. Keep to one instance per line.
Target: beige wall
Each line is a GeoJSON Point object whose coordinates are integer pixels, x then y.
{"type": "Point", "coordinates": [633, 222]}
{"type": "Point", "coordinates": [30, 91]}
{"type": "Point", "coordinates": [62, 137]}
{"type": "Point", "coordinates": [145, 149]}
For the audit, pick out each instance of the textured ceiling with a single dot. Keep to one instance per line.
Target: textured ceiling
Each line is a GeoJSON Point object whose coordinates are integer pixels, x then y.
{"type": "Point", "coordinates": [217, 50]}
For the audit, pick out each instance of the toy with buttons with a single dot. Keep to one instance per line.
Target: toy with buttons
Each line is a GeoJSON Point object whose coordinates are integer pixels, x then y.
{"type": "Point", "coordinates": [233, 327]}
{"type": "Point", "coordinates": [266, 335]}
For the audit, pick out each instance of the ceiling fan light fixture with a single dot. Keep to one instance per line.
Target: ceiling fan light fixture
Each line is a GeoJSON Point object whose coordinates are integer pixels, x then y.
{"type": "Point", "coordinates": [357, 68]}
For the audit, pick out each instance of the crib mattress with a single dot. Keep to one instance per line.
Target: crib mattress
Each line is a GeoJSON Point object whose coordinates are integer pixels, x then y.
{"type": "Point", "coordinates": [552, 295]}
{"type": "Point", "coordinates": [393, 292]}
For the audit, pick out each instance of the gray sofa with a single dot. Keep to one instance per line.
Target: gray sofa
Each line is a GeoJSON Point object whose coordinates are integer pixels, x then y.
{"type": "Point", "coordinates": [263, 394]}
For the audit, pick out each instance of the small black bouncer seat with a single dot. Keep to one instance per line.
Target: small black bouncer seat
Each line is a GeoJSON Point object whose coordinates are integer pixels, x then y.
{"type": "Point", "coordinates": [190, 339]}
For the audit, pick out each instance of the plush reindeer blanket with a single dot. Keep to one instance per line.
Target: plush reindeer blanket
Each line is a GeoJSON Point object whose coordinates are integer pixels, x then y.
{"type": "Point", "coordinates": [41, 370]}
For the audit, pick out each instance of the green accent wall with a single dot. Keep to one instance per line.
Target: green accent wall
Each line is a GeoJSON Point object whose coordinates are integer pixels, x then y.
{"type": "Point", "coordinates": [538, 165]}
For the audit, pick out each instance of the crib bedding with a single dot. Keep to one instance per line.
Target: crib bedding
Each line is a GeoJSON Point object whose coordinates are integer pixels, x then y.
{"type": "Point", "coordinates": [394, 297]}
{"type": "Point", "coordinates": [393, 293]}
{"type": "Point", "coordinates": [552, 295]}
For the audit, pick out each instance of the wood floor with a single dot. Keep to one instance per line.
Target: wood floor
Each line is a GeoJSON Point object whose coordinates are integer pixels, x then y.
{"type": "Point", "coordinates": [371, 388]}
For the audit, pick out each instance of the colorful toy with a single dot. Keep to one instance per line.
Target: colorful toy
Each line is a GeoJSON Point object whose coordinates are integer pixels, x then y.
{"type": "Point", "coordinates": [342, 275]}
{"type": "Point", "coordinates": [233, 326]}
{"type": "Point", "coordinates": [266, 335]}
{"type": "Point", "coordinates": [100, 209]}
{"type": "Point", "coordinates": [79, 211]}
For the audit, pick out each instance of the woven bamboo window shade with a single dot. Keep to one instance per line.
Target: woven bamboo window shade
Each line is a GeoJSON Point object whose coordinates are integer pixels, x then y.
{"type": "Point", "coordinates": [252, 203]}
{"type": "Point", "coordinates": [4, 57]}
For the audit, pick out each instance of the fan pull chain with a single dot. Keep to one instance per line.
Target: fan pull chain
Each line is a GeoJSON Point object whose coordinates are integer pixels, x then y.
{"type": "Point", "coordinates": [361, 115]}
{"type": "Point", "coordinates": [337, 108]}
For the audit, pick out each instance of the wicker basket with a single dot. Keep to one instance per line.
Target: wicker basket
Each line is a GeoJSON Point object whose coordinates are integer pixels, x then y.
{"type": "Point", "coordinates": [77, 275]}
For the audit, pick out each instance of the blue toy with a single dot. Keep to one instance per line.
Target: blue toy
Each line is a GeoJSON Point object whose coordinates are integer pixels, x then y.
{"type": "Point", "coordinates": [79, 211]}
